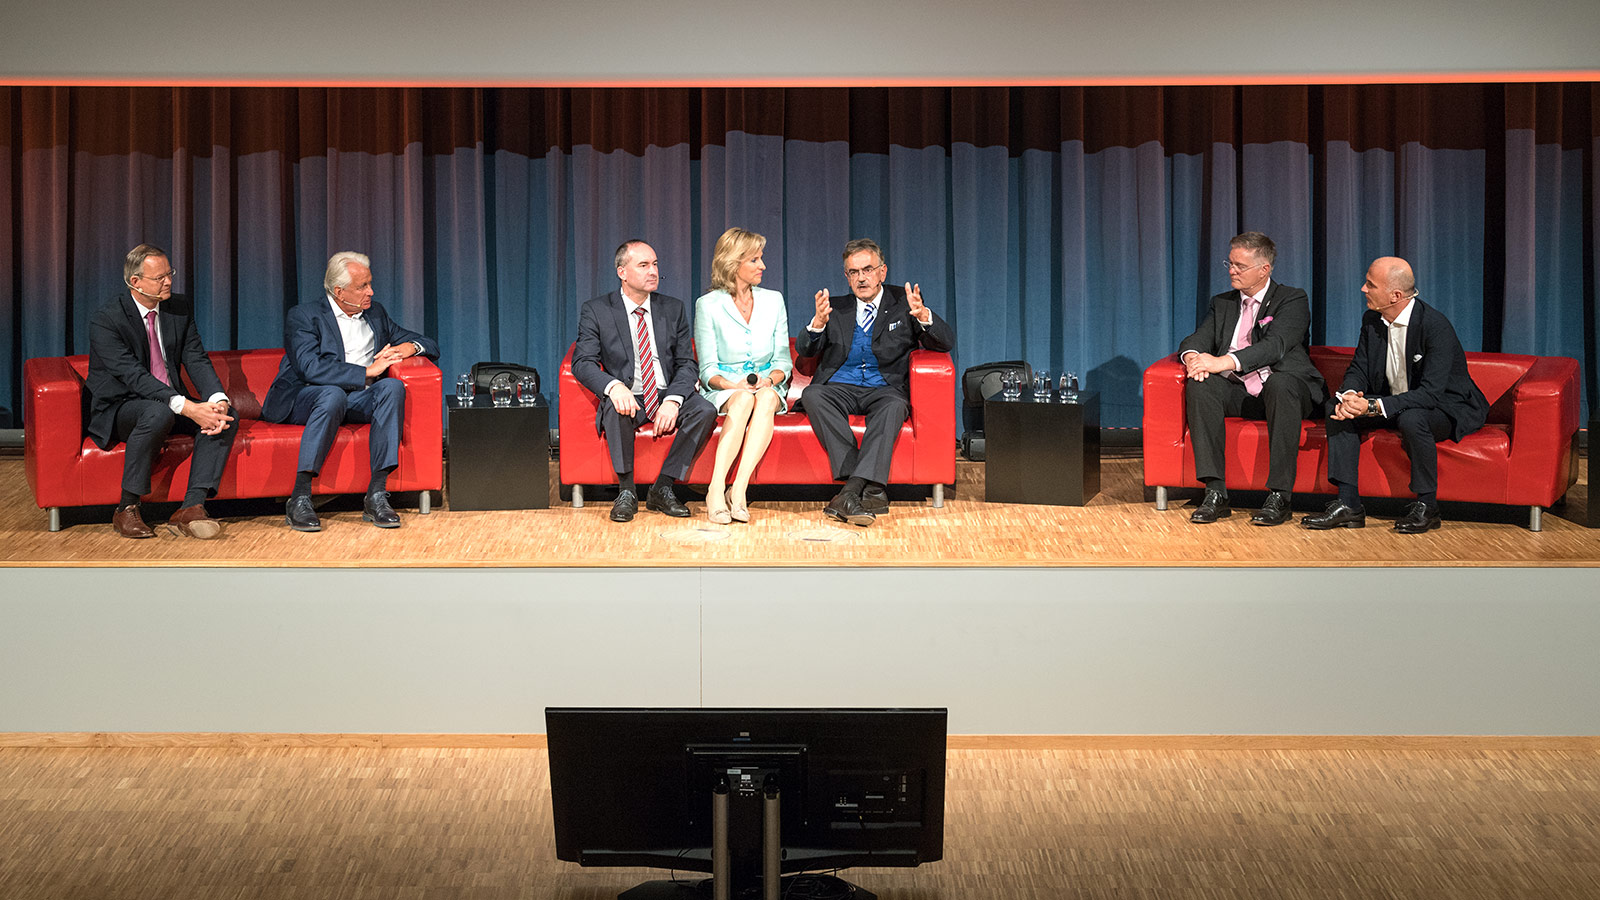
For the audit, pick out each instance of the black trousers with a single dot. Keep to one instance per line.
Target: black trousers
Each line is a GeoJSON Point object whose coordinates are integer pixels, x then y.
{"type": "Point", "coordinates": [1421, 430]}
{"type": "Point", "coordinates": [144, 425]}
{"type": "Point", "coordinates": [1284, 401]}
{"type": "Point", "coordinates": [696, 418]}
{"type": "Point", "coordinates": [829, 408]}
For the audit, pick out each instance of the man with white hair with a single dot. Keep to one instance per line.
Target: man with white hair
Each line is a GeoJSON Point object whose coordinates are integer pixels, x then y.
{"type": "Point", "coordinates": [336, 350]}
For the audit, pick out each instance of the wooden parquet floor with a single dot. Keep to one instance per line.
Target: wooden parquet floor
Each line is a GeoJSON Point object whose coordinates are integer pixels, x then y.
{"type": "Point", "coordinates": [1119, 527]}
{"type": "Point", "coordinates": [474, 824]}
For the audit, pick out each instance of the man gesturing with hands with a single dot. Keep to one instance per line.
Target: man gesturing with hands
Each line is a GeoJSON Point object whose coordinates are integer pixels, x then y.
{"type": "Point", "coordinates": [864, 340]}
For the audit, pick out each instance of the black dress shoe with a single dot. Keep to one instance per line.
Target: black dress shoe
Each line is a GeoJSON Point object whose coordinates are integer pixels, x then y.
{"type": "Point", "coordinates": [1213, 507]}
{"type": "Point", "coordinates": [1275, 511]}
{"type": "Point", "coordinates": [300, 516]}
{"type": "Point", "coordinates": [846, 507]}
{"type": "Point", "coordinates": [1337, 515]}
{"type": "Point", "coordinates": [875, 500]}
{"type": "Point", "coordinates": [1418, 519]}
{"type": "Point", "coordinates": [661, 499]}
{"type": "Point", "coordinates": [376, 509]}
{"type": "Point", "coordinates": [627, 503]}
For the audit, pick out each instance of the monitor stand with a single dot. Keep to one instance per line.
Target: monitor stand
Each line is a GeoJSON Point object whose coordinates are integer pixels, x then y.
{"type": "Point", "coordinates": [701, 890]}
{"type": "Point", "coordinates": [724, 883]}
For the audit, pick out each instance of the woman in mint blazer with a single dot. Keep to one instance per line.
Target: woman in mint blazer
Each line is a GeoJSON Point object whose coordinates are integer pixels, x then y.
{"type": "Point", "coordinates": [741, 334]}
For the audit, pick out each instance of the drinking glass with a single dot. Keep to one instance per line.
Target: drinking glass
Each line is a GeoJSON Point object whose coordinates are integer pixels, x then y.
{"type": "Point", "coordinates": [1041, 384]}
{"type": "Point", "coordinates": [527, 391]}
{"type": "Point", "coordinates": [1011, 385]}
{"type": "Point", "coordinates": [464, 388]}
{"type": "Point", "coordinates": [501, 389]}
{"type": "Point", "coordinates": [1069, 387]}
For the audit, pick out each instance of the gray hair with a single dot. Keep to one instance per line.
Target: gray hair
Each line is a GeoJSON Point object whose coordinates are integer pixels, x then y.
{"type": "Point", "coordinates": [860, 244]}
{"type": "Point", "coordinates": [133, 263]}
{"type": "Point", "coordinates": [1257, 243]}
{"type": "Point", "coordinates": [338, 272]}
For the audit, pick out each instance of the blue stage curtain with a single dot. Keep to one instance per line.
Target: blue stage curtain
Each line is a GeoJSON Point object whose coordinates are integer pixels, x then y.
{"type": "Point", "coordinates": [1079, 228]}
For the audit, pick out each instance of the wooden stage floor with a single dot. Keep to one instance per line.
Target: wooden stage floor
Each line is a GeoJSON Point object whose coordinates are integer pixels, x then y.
{"type": "Point", "coordinates": [1119, 527]}
{"type": "Point", "coordinates": [474, 824]}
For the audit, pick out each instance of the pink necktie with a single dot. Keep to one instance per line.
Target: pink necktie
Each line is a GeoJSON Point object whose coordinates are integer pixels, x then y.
{"type": "Point", "coordinates": [647, 369]}
{"type": "Point", "coordinates": [158, 366]}
{"type": "Point", "coordinates": [1241, 339]}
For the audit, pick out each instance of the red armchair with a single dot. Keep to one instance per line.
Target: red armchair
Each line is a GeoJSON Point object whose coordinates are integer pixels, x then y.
{"type": "Point", "coordinates": [1526, 455]}
{"type": "Point", "coordinates": [66, 468]}
{"type": "Point", "coordinates": [924, 454]}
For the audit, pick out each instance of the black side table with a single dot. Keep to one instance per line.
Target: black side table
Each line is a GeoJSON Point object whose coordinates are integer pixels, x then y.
{"type": "Point", "coordinates": [499, 455]}
{"type": "Point", "coordinates": [1041, 451]}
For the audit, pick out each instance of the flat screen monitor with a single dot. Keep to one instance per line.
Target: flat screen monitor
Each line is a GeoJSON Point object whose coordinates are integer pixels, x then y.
{"type": "Point", "coordinates": [855, 787]}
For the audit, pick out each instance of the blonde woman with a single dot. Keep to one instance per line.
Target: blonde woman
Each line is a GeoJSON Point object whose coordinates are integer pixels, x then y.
{"type": "Point", "coordinates": [741, 334]}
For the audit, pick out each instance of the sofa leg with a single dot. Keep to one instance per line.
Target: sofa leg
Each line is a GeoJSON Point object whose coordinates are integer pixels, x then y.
{"type": "Point", "coordinates": [1161, 498]}
{"type": "Point", "coordinates": [1535, 518]}
{"type": "Point", "coordinates": [577, 496]}
{"type": "Point", "coordinates": [938, 496]}
{"type": "Point", "coordinates": [425, 502]}
{"type": "Point", "coordinates": [55, 518]}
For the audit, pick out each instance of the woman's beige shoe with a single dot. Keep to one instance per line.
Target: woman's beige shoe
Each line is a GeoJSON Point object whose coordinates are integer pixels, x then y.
{"type": "Point", "coordinates": [738, 510]}
{"type": "Point", "coordinates": [717, 508]}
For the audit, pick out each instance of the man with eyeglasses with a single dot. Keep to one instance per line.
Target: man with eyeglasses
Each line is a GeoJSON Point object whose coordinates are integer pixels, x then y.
{"type": "Point", "coordinates": [1248, 359]}
{"type": "Point", "coordinates": [337, 348]}
{"type": "Point", "coordinates": [140, 346]}
{"type": "Point", "coordinates": [865, 341]}
{"type": "Point", "coordinates": [1408, 373]}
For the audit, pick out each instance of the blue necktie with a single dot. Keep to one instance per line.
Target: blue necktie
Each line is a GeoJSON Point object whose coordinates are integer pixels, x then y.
{"type": "Point", "coordinates": [867, 317]}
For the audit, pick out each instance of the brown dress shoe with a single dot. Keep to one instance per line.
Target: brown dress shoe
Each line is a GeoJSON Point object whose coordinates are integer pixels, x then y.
{"type": "Point", "coordinates": [127, 522]}
{"type": "Point", "coordinates": [192, 521]}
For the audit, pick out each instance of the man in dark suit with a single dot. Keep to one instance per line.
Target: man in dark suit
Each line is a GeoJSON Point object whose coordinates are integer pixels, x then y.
{"type": "Point", "coordinates": [140, 346]}
{"type": "Point", "coordinates": [1254, 341]}
{"type": "Point", "coordinates": [1409, 373]}
{"type": "Point", "coordinates": [635, 351]}
{"type": "Point", "coordinates": [865, 342]}
{"type": "Point", "coordinates": [337, 348]}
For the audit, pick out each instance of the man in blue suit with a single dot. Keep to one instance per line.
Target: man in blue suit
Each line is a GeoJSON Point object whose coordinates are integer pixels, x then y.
{"type": "Point", "coordinates": [336, 350]}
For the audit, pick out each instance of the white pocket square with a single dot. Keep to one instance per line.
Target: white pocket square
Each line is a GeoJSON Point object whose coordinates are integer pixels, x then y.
{"type": "Point", "coordinates": [894, 325]}
{"type": "Point", "coordinates": [1417, 358]}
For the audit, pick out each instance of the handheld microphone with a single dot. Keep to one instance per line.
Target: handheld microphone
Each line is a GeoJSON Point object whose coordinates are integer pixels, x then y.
{"type": "Point", "coordinates": [751, 379]}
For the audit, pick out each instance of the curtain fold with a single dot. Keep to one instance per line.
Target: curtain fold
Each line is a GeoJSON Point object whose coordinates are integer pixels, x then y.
{"type": "Point", "coordinates": [1079, 228]}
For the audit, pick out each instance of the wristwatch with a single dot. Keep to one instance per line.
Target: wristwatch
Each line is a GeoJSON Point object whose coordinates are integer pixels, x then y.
{"type": "Point", "coordinates": [1372, 407]}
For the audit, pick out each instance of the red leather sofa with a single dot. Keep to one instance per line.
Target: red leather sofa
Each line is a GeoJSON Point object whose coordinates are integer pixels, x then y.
{"type": "Point", "coordinates": [1526, 455]}
{"type": "Point", "coordinates": [66, 468]}
{"type": "Point", "coordinates": [924, 454]}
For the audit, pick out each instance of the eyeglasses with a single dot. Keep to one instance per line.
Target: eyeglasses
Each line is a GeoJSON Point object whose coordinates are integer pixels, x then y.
{"type": "Point", "coordinates": [852, 273]}
{"type": "Point", "coordinates": [1236, 267]}
{"type": "Point", "coordinates": [167, 277]}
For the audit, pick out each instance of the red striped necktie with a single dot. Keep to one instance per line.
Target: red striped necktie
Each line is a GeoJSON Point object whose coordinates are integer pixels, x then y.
{"type": "Point", "coordinates": [647, 368]}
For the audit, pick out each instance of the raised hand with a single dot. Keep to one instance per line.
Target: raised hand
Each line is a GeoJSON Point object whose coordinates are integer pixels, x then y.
{"type": "Point", "coordinates": [914, 300]}
{"type": "Point", "coordinates": [824, 309]}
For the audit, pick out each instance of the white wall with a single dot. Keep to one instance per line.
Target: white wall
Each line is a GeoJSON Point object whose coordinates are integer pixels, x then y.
{"type": "Point", "coordinates": [1009, 651]}
{"type": "Point", "coordinates": [562, 42]}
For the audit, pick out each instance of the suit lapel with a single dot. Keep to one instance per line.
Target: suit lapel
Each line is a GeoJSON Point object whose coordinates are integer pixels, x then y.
{"type": "Point", "coordinates": [1230, 323]}
{"type": "Point", "coordinates": [1414, 343]}
{"type": "Point", "coordinates": [133, 330]}
{"type": "Point", "coordinates": [619, 321]}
